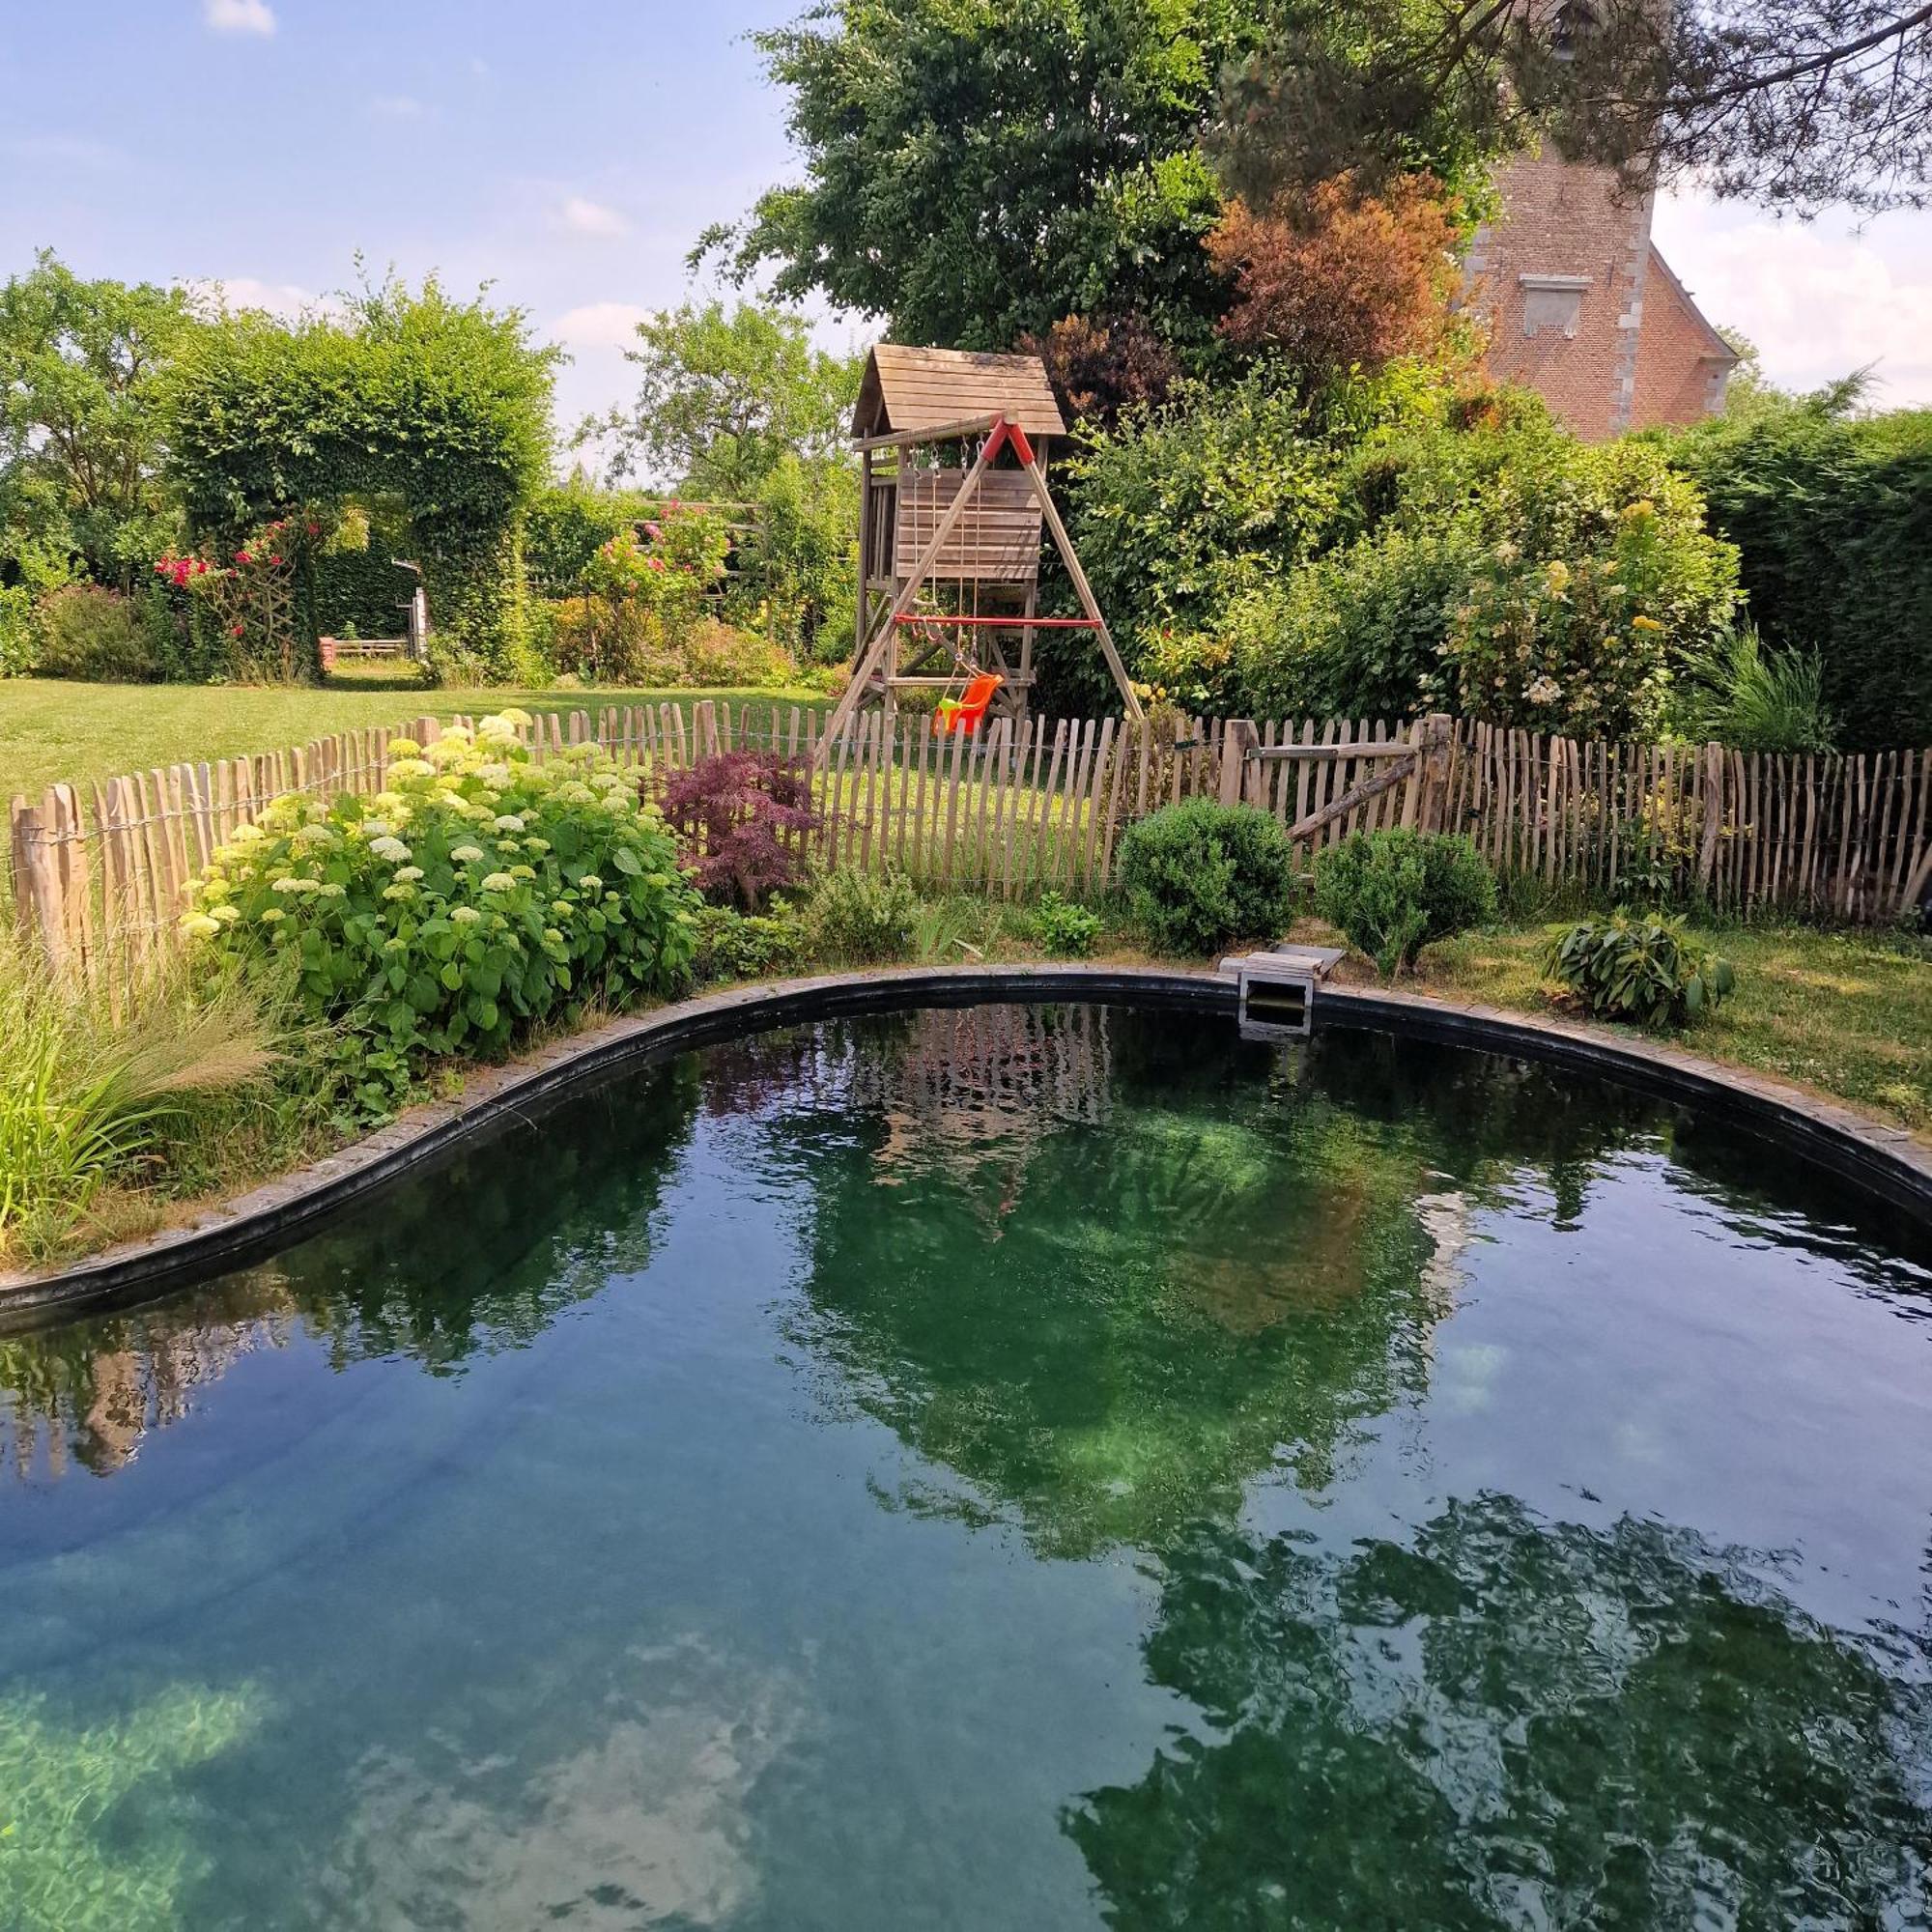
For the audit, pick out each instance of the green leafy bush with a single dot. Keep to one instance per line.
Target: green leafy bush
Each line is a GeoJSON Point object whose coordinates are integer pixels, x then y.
{"type": "Point", "coordinates": [731, 945]}
{"type": "Point", "coordinates": [1637, 966]}
{"type": "Point", "coordinates": [1393, 893]}
{"type": "Point", "coordinates": [1064, 928]}
{"type": "Point", "coordinates": [862, 917]}
{"type": "Point", "coordinates": [478, 894]}
{"type": "Point", "coordinates": [1198, 876]}
{"type": "Point", "coordinates": [87, 631]}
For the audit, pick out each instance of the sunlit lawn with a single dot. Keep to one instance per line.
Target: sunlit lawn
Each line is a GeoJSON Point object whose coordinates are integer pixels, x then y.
{"type": "Point", "coordinates": [52, 731]}
{"type": "Point", "coordinates": [1847, 1013]}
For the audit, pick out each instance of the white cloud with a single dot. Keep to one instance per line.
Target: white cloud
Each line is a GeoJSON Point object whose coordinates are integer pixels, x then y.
{"type": "Point", "coordinates": [1818, 301]}
{"type": "Point", "coordinates": [590, 217]}
{"type": "Point", "coordinates": [397, 107]}
{"type": "Point", "coordinates": [604, 325]}
{"type": "Point", "coordinates": [239, 17]}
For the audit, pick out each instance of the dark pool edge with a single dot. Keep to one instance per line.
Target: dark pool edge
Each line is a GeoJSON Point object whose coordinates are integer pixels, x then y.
{"type": "Point", "coordinates": [1885, 1161]}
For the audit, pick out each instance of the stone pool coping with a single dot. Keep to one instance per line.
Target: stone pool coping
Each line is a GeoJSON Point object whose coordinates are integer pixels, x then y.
{"type": "Point", "coordinates": [1888, 1162]}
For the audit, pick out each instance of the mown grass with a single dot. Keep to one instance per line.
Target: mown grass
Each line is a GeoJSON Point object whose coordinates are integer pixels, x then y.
{"type": "Point", "coordinates": [52, 731]}
{"type": "Point", "coordinates": [1847, 1014]}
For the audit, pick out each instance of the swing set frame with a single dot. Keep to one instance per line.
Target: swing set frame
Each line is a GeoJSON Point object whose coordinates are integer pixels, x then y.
{"type": "Point", "coordinates": [984, 536]}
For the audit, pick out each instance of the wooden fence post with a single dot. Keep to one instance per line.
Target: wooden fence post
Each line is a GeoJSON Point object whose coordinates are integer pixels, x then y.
{"type": "Point", "coordinates": [1238, 740]}
{"type": "Point", "coordinates": [1429, 795]}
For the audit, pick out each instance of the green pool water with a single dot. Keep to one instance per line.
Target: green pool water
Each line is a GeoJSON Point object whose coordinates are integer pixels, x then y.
{"type": "Point", "coordinates": [1006, 1468]}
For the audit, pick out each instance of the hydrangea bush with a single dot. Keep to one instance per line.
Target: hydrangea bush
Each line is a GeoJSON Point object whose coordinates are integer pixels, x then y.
{"type": "Point", "coordinates": [480, 892]}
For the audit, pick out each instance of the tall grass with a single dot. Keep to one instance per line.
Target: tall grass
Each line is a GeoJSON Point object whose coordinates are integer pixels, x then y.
{"type": "Point", "coordinates": [1755, 700]}
{"type": "Point", "coordinates": [88, 1090]}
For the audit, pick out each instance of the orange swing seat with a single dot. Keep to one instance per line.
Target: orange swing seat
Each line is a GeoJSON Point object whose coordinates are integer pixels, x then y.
{"type": "Point", "coordinates": [964, 712]}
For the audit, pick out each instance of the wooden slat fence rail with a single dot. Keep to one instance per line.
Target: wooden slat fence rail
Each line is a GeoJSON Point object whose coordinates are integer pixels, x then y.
{"type": "Point", "coordinates": [100, 872]}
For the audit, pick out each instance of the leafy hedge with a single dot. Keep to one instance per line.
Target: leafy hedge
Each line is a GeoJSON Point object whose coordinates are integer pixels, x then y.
{"type": "Point", "coordinates": [1832, 519]}
{"type": "Point", "coordinates": [478, 894]}
{"type": "Point", "coordinates": [1394, 544]}
{"type": "Point", "coordinates": [1197, 876]}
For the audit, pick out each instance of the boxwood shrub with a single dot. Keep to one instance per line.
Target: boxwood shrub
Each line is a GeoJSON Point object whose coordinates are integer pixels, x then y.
{"type": "Point", "coordinates": [479, 894]}
{"type": "Point", "coordinates": [1393, 893]}
{"type": "Point", "coordinates": [1198, 876]}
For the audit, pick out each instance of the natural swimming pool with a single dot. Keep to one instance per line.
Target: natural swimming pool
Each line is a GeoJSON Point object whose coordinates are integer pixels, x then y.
{"type": "Point", "coordinates": [999, 1467]}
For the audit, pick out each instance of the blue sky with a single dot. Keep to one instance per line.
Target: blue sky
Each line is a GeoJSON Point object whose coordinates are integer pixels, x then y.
{"type": "Point", "coordinates": [570, 151]}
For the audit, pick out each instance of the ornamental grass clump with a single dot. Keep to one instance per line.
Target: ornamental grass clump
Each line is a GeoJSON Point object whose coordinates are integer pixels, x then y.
{"type": "Point", "coordinates": [479, 894]}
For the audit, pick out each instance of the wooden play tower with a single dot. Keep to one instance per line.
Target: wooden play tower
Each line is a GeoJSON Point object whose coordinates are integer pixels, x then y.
{"type": "Point", "coordinates": [953, 505]}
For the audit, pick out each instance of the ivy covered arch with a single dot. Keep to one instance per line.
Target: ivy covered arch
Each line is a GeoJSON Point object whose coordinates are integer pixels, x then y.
{"type": "Point", "coordinates": [441, 405]}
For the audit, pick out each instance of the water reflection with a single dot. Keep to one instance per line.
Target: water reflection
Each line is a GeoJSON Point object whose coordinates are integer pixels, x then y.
{"type": "Point", "coordinates": [1507, 1721]}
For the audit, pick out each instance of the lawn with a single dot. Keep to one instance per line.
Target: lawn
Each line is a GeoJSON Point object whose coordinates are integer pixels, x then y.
{"type": "Point", "coordinates": [1843, 1013]}
{"type": "Point", "coordinates": [51, 730]}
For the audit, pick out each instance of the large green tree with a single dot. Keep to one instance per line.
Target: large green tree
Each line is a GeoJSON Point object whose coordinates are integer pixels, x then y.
{"type": "Point", "coordinates": [973, 171]}
{"type": "Point", "coordinates": [80, 440]}
{"type": "Point", "coordinates": [724, 398]}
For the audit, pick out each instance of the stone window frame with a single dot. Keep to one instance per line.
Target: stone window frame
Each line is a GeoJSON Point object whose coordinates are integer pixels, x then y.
{"type": "Point", "coordinates": [1553, 302]}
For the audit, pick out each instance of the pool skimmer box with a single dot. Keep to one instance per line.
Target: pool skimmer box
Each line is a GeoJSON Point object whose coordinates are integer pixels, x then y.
{"type": "Point", "coordinates": [1278, 989]}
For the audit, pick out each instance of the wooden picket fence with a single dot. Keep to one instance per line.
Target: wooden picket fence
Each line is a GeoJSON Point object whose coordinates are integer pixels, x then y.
{"type": "Point", "coordinates": [99, 873]}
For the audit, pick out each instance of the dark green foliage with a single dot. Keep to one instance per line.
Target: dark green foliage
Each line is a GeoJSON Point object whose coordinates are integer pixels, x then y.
{"type": "Point", "coordinates": [974, 174]}
{"type": "Point", "coordinates": [444, 404]}
{"type": "Point", "coordinates": [1198, 876]}
{"type": "Point", "coordinates": [863, 918]}
{"type": "Point", "coordinates": [1393, 893]}
{"type": "Point", "coordinates": [1833, 518]}
{"type": "Point", "coordinates": [1637, 966]}
{"type": "Point", "coordinates": [1064, 928]}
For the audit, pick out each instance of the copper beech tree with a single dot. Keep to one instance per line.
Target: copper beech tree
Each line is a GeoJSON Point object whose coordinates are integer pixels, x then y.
{"type": "Point", "coordinates": [1333, 278]}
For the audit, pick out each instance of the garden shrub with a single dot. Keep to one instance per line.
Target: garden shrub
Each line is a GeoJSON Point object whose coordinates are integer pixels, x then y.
{"type": "Point", "coordinates": [20, 632]}
{"type": "Point", "coordinates": [1063, 926]}
{"type": "Point", "coordinates": [862, 917]}
{"type": "Point", "coordinates": [1198, 875]}
{"type": "Point", "coordinates": [731, 945]}
{"type": "Point", "coordinates": [1637, 966]}
{"type": "Point", "coordinates": [717, 654]}
{"type": "Point", "coordinates": [476, 896]}
{"type": "Point", "coordinates": [1394, 892]}
{"type": "Point", "coordinates": [741, 818]}
{"type": "Point", "coordinates": [88, 632]}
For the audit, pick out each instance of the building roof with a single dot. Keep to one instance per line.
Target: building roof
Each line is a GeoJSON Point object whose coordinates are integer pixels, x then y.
{"type": "Point", "coordinates": [1717, 348]}
{"type": "Point", "coordinates": [908, 388]}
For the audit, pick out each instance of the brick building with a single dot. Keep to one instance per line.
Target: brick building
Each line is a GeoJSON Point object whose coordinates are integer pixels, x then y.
{"type": "Point", "coordinates": [1584, 310]}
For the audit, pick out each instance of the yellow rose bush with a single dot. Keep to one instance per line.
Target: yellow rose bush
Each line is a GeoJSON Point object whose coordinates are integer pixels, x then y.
{"type": "Point", "coordinates": [480, 892]}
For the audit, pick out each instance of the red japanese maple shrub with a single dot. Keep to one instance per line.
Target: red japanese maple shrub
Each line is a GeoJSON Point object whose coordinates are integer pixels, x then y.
{"type": "Point", "coordinates": [742, 820]}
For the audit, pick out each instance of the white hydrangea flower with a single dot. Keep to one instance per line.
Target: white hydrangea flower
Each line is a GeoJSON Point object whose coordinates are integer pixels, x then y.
{"type": "Point", "coordinates": [499, 882]}
{"type": "Point", "coordinates": [410, 768]}
{"type": "Point", "coordinates": [226, 914]}
{"type": "Point", "coordinates": [521, 872]}
{"type": "Point", "coordinates": [464, 916]}
{"type": "Point", "coordinates": [198, 926]}
{"type": "Point", "coordinates": [407, 875]}
{"type": "Point", "coordinates": [537, 844]}
{"type": "Point", "coordinates": [592, 883]}
{"type": "Point", "coordinates": [552, 934]}
{"type": "Point", "coordinates": [403, 891]}
{"type": "Point", "coordinates": [508, 821]}
{"type": "Point", "coordinates": [466, 855]}
{"type": "Point", "coordinates": [288, 885]}
{"type": "Point", "coordinates": [562, 908]}
{"type": "Point", "coordinates": [391, 849]}
{"type": "Point", "coordinates": [331, 890]}
{"type": "Point", "coordinates": [249, 835]}
{"type": "Point", "coordinates": [271, 914]}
